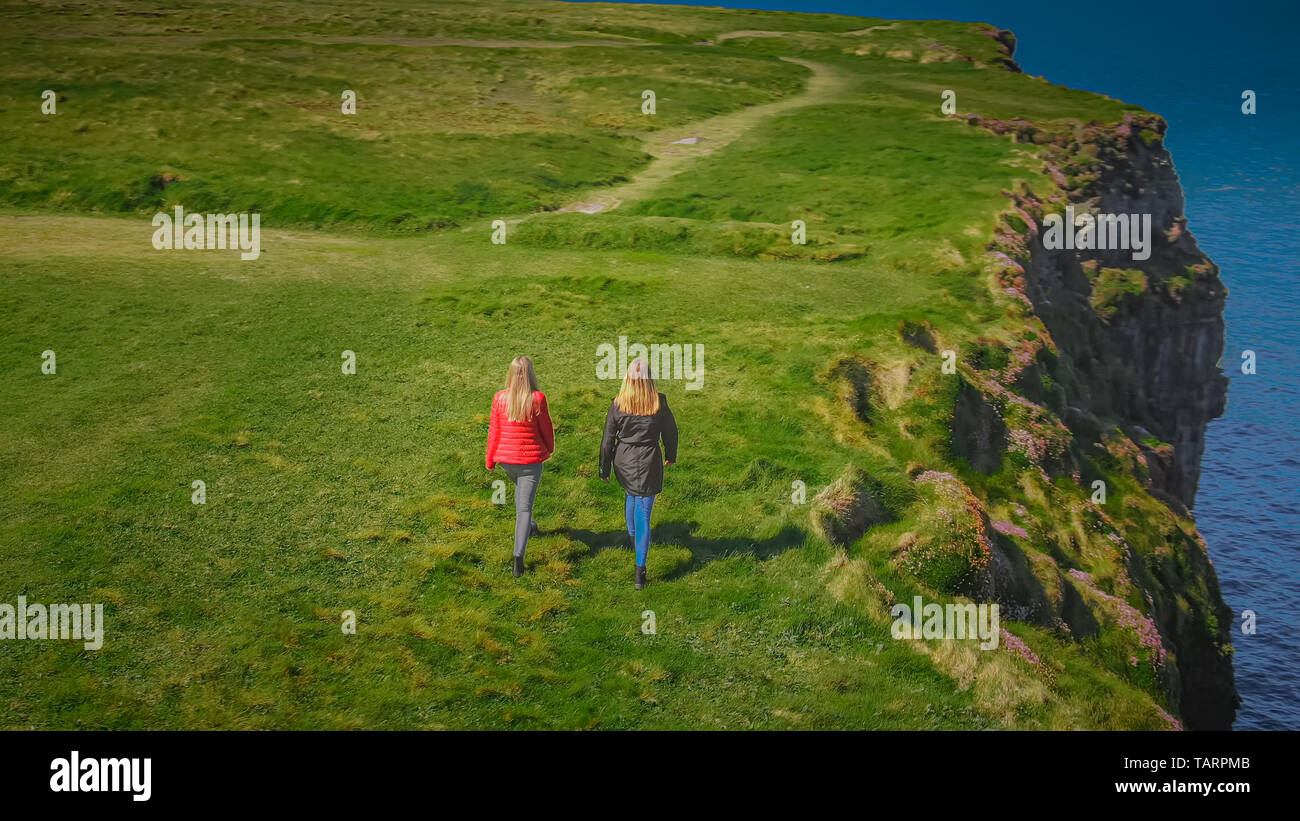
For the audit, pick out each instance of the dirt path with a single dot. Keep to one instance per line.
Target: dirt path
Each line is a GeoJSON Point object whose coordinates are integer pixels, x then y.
{"type": "Point", "coordinates": [826, 85]}
{"type": "Point", "coordinates": [743, 33]}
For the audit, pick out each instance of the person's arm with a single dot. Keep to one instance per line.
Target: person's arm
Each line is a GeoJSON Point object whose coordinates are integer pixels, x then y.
{"type": "Point", "coordinates": [607, 443]}
{"type": "Point", "coordinates": [545, 431]}
{"type": "Point", "coordinates": [668, 429]}
{"type": "Point", "coordinates": [494, 435]}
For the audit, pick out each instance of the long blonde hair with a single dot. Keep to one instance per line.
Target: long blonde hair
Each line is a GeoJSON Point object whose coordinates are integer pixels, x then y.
{"type": "Point", "coordinates": [521, 381]}
{"type": "Point", "coordinates": [638, 395]}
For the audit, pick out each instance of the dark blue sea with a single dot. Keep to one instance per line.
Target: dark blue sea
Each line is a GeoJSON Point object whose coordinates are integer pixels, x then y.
{"type": "Point", "coordinates": [1190, 63]}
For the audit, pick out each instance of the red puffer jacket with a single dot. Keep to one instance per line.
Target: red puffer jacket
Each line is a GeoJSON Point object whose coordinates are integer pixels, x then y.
{"type": "Point", "coordinates": [519, 443]}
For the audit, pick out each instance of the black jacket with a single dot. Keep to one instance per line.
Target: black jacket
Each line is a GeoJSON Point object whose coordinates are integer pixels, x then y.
{"type": "Point", "coordinates": [631, 447]}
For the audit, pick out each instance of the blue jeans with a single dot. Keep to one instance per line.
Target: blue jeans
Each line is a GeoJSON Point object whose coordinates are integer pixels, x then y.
{"type": "Point", "coordinates": [638, 524]}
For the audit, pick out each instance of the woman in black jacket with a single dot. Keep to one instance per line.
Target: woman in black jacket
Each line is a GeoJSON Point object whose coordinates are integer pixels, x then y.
{"type": "Point", "coordinates": [638, 418]}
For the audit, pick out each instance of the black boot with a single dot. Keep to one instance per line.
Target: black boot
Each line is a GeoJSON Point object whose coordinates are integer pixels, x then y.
{"type": "Point", "coordinates": [640, 578]}
{"type": "Point", "coordinates": [519, 566]}
{"type": "Point", "coordinates": [534, 530]}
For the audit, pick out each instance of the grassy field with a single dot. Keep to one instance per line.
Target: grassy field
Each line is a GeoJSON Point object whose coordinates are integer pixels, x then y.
{"type": "Point", "coordinates": [329, 492]}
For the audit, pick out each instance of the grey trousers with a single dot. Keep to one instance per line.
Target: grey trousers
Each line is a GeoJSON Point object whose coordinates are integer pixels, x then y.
{"type": "Point", "coordinates": [525, 478]}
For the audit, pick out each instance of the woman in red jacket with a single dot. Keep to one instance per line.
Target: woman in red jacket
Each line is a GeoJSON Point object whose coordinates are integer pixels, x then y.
{"type": "Point", "coordinates": [520, 439]}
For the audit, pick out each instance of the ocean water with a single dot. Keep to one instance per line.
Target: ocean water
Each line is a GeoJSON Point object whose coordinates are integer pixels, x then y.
{"type": "Point", "coordinates": [1190, 63]}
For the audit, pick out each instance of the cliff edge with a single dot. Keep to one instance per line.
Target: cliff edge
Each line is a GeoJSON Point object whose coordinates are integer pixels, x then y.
{"type": "Point", "coordinates": [1138, 336]}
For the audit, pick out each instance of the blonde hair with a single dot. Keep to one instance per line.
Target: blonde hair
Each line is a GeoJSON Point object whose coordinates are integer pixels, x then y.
{"type": "Point", "coordinates": [638, 395]}
{"type": "Point", "coordinates": [521, 381]}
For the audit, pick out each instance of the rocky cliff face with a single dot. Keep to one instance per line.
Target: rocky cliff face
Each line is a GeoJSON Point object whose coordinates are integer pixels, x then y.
{"type": "Point", "coordinates": [1075, 426]}
{"type": "Point", "coordinates": [1139, 343]}
{"type": "Point", "coordinates": [1149, 359]}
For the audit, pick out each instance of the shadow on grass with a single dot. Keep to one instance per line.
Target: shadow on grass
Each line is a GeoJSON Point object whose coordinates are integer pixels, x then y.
{"type": "Point", "coordinates": [681, 534]}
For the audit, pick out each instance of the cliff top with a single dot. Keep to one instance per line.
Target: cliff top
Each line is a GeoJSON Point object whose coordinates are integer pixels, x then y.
{"type": "Point", "coordinates": [882, 411]}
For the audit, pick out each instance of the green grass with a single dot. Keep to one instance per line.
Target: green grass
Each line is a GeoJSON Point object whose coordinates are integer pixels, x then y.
{"type": "Point", "coordinates": [1111, 286]}
{"type": "Point", "coordinates": [328, 492]}
{"type": "Point", "coordinates": [310, 474]}
{"type": "Point", "coordinates": [441, 136]}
